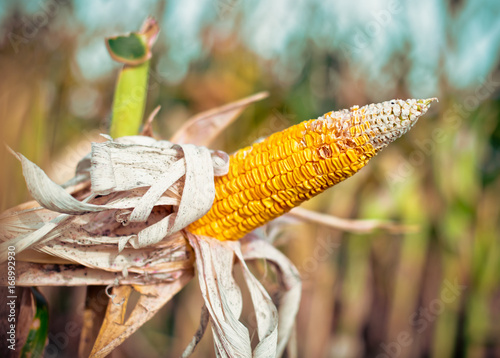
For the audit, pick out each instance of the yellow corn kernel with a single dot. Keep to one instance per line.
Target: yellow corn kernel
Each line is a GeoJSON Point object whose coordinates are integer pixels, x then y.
{"type": "Point", "coordinates": [269, 178]}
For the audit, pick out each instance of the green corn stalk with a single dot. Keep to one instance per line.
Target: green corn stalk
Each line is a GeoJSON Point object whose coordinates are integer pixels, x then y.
{"type": "Point", "coordinates": [134, 51]}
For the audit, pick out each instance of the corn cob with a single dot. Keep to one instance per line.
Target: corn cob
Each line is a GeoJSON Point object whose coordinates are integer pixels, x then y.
{"type": "Point", "coordinates": [271, 177]}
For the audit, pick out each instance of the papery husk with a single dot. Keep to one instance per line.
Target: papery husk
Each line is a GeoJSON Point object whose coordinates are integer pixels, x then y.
{"type": "Point", "coordinates": [223, 300]}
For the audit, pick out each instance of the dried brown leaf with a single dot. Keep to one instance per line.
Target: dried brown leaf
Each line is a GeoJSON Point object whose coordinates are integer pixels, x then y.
{"type": "Point", "coordinates": [36, 274]}
{"type": "Point", "coordinates": [96, 302]}
{"type": "Point", "coordinates": [204, 319]}
{"type": "Point", "coordinates": [254, 248]}
{"type": "Point", "coordinates": [147, 130]}
{"type": "Point", "coordinates": [354, 226]}
{"type": "Point", "coordinates": [115, 329]}
{"type": "Point", "coordinates": [204, 127]}
{"type": "Point", "coordinates": [265, 311]}
{"type": "Point", "coordinates": [214, 262]}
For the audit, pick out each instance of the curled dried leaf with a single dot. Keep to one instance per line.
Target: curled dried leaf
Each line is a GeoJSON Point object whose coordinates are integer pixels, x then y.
{"type": "Point", "coordinates": [255, 248]}
{"type": "Point", "coordinates": [115, 329]}
{"type": "Point", "coordinates": [214, 262]}
{"type": "Point", "coordinates": [204, 127]}
{"type": "Point", "coordinates": [154, 187]}
{"type": "Point", "coordinates": [354, 226]}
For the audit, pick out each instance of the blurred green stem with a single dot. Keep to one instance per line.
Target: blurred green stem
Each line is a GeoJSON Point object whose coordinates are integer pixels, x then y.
{"type": "Point", "coordinates": [129, 100]}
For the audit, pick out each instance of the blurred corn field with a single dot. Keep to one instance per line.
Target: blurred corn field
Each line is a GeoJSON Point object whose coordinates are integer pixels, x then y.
{"type": "Point", "coordinates": [434, 292]}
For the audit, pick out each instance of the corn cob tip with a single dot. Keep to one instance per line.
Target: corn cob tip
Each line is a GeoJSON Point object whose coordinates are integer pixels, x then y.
{"type": "Point", "coordinates": [384, 122]}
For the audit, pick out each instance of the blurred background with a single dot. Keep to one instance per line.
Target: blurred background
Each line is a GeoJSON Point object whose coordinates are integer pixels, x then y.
{"type": "Point", "coordinates": [434, 293]}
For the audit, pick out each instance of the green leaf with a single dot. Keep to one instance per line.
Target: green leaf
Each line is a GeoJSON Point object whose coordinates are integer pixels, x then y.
{"type": "Point", "coordinates": [37, 335]}
{"type": "Point", "coordinates": [134, 48]}
{"type": "Point", "coordinates": [128, 49]}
